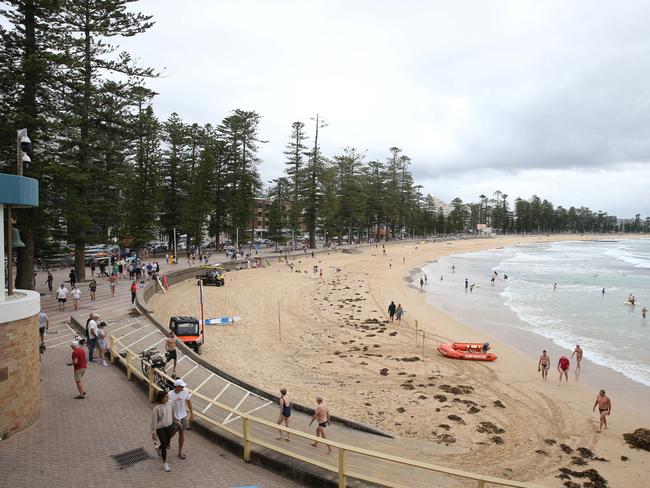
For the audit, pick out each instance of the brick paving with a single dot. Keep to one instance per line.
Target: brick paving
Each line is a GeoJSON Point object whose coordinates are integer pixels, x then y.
{"type": "Point", "coordinates": [72, 441]}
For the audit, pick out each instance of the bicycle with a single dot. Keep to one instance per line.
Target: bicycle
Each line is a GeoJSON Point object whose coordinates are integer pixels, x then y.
{"type": "Point", "coordinates": [152, 358]}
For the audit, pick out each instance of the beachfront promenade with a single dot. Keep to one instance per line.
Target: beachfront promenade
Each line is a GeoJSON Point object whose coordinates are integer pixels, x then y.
{"type": "Point", "coordinates": [73, 440]}
{"type": "Point", "coordinates": [137, 333]}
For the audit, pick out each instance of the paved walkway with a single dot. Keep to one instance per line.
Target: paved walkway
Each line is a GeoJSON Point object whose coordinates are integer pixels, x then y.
{"type": "Point", "coordinates": [73, 440]}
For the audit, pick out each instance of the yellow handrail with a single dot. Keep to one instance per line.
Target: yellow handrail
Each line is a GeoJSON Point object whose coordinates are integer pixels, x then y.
{"type": "Point", "coordinates": [343, 449]}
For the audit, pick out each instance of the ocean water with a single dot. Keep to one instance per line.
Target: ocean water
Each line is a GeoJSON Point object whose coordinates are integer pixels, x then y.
{"type": "Point", "coordinates": [613, 335]}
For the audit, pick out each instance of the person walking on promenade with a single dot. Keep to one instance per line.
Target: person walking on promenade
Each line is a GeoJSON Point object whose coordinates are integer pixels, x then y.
{"type": "Point", "coordinates": [73, 277]}
{"type": "Point", "coordinates": [322, 417]}
{"type": "Point", "coordinates": [76, 296]}
{"type": "Point", "coordinates": [578, 354]}
{"type": "Point", "coordinates": [399, 312]}
{"type": "Point", "coordinates": [563, 367]}
{"type": "Point", "coordinates": [544, 364]}
{"type": "Point", "coordinates": [179, 397]}
{"type": "Point", "coordinates": [170, 348]}
{"type": "Point", "coordinates": [391, 310]}
{"type": "Point", "coordinates": [134, 290]}
{"type": "Point", "coordinates": [92, 336]}
{"type": "Point", "coordinates": [112, 280]}
{"type": "Point", "coordinates": [79, 363]}
{"type": "Point", "coordinates": [285, 412]}
{"type": "Point", "coordinates": [102, 342]}
{"type": "Point", "coordinates": [93, 266]}
{"type": "Point", "coordinates": [162, 423]}
{"type": "Point", "coordinates": [62, 296]}
{"type": "Point", "coordinates": [604, 405]}
{"type": "Point", "coordinates": [92, 286]}
{"type": "Point", "coordinates": [49, 280]}
{"type": "Point", "coordinates": [43, 325]}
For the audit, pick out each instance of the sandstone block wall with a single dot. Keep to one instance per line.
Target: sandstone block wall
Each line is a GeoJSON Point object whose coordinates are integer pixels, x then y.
{"type": "Point", "coordinates": [20, 374]}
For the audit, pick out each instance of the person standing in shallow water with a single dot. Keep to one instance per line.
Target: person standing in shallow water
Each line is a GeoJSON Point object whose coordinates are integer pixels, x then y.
{"type": "Point", "coordinates": [285, 413]}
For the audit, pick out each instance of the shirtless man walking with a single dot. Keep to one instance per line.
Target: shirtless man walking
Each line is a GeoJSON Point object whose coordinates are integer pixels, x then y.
{"type": "Point", "coordinates": [604, 405]}
{"type": "Point", "coordinates": [544, 364]}
{"type": "Point", "coordinates": [170, 347]}
{"type": "Point", "coordinates": [578, 354]}
{"type": "Point", "coordinates": [322, 416]}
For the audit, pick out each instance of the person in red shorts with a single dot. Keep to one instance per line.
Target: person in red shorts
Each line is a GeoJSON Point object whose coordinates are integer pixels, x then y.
{"type": "Point", "coordinates": [79, 363]}
{"type": "Point", "coordinates": [563, 367]}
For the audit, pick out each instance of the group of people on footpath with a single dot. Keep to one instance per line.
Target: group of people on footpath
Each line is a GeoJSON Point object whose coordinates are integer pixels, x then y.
{"type": "Point", "coordinates": [603, 402]}
{"type": "Point", "coordinates": [321, 417]}
{"type": "Point", "coordinates": [169, 416]}
{"type": "Point", "coordinates": [96, 338]}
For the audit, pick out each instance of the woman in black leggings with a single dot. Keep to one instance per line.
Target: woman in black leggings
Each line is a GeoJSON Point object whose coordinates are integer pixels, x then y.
{"type": "Point", "coordinates": [162, 420]}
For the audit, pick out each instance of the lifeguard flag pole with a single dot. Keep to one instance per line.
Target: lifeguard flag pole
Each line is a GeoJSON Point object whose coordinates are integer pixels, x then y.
{"type": "Point", "coordinates": [202, 321]}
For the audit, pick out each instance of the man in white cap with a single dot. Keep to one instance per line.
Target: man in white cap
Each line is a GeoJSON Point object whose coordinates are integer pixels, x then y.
{"type": "Point", "coordinates": [79, 363]}
{"type": "Point", "coordinates": [179, 396]}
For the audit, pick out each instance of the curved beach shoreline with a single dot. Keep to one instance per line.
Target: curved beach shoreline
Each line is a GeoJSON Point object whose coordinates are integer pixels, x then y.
{"type": "Point", "coordinates": [334, 343]}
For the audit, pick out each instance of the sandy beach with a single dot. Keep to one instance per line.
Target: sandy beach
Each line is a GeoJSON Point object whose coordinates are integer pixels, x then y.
{"type": "Point", "coordinates": [330, 335]}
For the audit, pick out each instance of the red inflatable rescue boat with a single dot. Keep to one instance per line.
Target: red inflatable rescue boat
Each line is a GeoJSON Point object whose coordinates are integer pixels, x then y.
{"type": "Point", "coordinates": [466, 350]}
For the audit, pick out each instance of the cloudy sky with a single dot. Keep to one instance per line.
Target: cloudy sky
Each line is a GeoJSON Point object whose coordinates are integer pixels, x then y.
{"type": "Point", "coordinates": [520, 96]}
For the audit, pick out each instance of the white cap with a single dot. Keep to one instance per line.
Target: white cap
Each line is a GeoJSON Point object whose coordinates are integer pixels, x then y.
{"type": "Point", "coordinates": [180, 382]}
{"type": "Point", "coordinates": [74, 344]}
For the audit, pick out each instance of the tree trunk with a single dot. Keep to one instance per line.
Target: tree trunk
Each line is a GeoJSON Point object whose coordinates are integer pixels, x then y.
{"type": "Point", "coordinates": [79, 259]}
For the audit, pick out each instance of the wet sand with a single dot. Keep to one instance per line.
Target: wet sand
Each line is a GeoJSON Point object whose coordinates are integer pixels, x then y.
{"type": "Point", "coordinates": [333, 338]}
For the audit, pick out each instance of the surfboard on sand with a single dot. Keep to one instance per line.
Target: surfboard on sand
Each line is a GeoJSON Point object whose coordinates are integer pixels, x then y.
{"type": "Point", "coordinates": [161, 285]}
{"type": "Point", "coordinates": [227, 320]}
